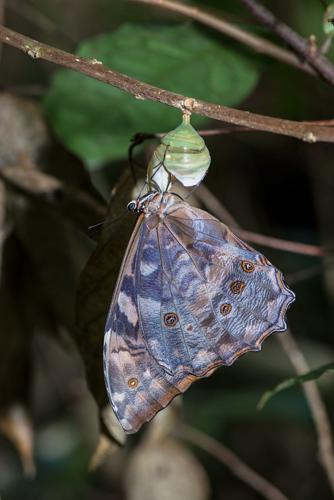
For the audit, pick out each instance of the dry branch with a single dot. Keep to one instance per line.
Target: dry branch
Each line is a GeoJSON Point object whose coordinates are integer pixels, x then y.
{"type": "Point", "coordinates": [307, 132]}
{"type": "Point", "coordinates": [214, 205]}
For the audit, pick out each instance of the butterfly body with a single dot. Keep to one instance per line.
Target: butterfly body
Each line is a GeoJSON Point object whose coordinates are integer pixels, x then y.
{"type": "Point", "coordinates": [190, 297]}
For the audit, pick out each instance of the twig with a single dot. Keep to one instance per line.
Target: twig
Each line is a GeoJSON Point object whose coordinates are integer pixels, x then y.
{"type": "Point", "coordinates": [232, 461]}
{"type": "Point", "coordinates": [279, 244]}
{"type": "Point", "coordinates": [211, 202]}
{"type": "Point", "coordinates": [141, 90]}
{"type": "Point", "coordinates": [206, 132]}
{"type": "Point", "coordinates": [235, 129]}
{"type": "Point", "coordinates": [317, 407]}
{"type": "Point", "coordinates": [309, 272]}
{"type": "Point", "coordinates": [296, 42]}
{"type": "Point", "coordinates": [261, 45]}
{"type": "Point", "coordinates": [223, 131]}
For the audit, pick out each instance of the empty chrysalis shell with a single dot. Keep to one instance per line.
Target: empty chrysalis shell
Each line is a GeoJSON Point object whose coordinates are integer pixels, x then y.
{"type": "Point", "coordinates": [183, 154]}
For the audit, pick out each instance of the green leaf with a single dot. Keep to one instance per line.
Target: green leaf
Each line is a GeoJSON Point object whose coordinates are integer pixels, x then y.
{"type": "Point", "coordinates": [96, 121]}
{"type": "Point", "coordinates": [290, 382]}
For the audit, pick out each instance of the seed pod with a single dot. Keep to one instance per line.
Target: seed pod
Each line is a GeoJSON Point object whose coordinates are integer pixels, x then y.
{"type": "Point", "coordinates": [183, 154]}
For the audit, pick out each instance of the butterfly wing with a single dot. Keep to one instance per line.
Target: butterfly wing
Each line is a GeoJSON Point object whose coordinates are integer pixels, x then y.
{"type": "Point", "coordinates": [190, 297]}
{"type": "Point", "coordinates": [137, 386]}
{"type": "Point", "coordinates": [213, 299]}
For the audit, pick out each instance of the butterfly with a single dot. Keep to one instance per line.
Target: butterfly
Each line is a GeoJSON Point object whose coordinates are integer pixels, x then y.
{"type": "Point", "coordinates": [190, 297]}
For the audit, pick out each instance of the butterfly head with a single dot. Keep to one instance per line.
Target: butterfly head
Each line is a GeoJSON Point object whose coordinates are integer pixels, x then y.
{"type": "Point", "coordinates": [138, 206]}
{"type": "Point", "coordinates": [133, 207]}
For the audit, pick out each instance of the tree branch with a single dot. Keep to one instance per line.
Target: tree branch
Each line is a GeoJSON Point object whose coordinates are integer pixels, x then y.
{"type": "Point", "coordinates": [257, 43]}
{"type": "Point", "coordinates": [141, 90]}
{"type": "Point", "coordinates": [230, 460]}
{"type": "Point", "coordinates": [296, 42]}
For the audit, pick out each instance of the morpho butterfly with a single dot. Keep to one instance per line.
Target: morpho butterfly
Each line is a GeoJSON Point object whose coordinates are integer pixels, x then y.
{"type": "Point", "coordinates": [190, 297]}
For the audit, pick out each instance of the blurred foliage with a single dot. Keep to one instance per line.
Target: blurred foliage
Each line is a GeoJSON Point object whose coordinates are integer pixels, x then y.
{"type": "Point", "coordinates": [56, 281]}
{"type": "Point", "coordinates": [96, 122]}
{"type": "Point", "coordinates": [290, 382]}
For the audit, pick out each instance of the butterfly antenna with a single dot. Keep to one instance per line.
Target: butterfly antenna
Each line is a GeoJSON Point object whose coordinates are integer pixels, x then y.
{"type": "Point", "coordinates": [106, 222]}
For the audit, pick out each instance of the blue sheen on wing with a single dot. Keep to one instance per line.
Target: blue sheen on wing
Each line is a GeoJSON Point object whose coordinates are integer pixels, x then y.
{"type": "Point", "coordinates": [191, 296]}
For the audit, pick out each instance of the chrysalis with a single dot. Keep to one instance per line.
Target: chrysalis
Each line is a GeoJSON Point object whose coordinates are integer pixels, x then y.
{"type": "Point", "coordinates": [183, 154]}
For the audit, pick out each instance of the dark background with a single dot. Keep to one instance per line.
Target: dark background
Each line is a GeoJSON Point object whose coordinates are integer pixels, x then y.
{"type": "Point", "coordinates": [273, 185]}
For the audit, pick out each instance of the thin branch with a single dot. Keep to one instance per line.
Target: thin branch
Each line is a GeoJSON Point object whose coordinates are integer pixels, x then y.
{"type": "Point", "coordinates": [235, 129]}
{"type": "Point", "coordinates": [141, 90]}
{"type": "Point", "coordinates": [223, 131]}
{"type": "Point", "coordinates": [296, 42]}
{"type": "Point", "coordinates": [211, 202]}
{"type": "Point", "coordinates": [231, 461]}
{"type": "Point", "coordinates": [261, 45]}
{"type": "Point", "coordinates": [309, 272]}
{"type": "Point", "coordinates": [279, 244]}
{"type": "Point", "coordinates": [206, 132]}
{"type": "Point", "coordinates": [317, 407]}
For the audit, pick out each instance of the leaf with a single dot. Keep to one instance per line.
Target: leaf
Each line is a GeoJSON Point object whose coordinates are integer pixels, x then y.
{"type": "Point", "coordinates": [96, 286]}
{"type": "Point", "coordinates": [97, 122]}
{"type": "Point", "coordinates": [290, 382]}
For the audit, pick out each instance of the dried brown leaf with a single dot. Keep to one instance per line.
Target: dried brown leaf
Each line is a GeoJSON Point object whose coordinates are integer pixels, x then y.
{"type": "Point", "coordinates": [96, 287]}
{"type": "Point", "coordinates": [17, 427]}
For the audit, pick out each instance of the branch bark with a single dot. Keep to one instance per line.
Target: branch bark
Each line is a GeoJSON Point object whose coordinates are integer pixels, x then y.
{"type": "Point", "coordinates": [95, 69]}
{"type": "Point", "coordinates": [212, 203]}
{"type": "Point", "coordinates": [257, 43]}
{"type": "Point", "coordinates": [296, 42]}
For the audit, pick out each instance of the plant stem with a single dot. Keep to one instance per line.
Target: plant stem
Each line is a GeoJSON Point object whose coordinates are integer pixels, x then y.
{"type": "Point", "coordinates": [316, 405]}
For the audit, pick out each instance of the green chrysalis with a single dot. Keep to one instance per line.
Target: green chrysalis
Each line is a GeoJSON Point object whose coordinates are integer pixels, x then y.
{"type": "Point", "coordinates": [183, 154]}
